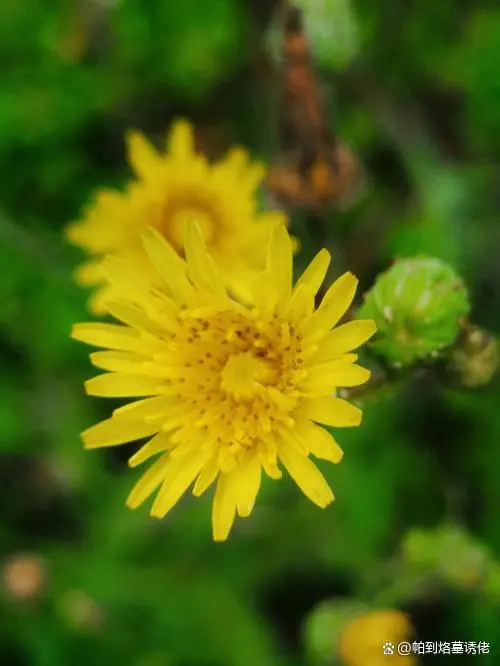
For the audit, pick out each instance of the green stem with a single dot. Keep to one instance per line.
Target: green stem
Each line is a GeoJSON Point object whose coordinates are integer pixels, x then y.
{"type": "Point", "coordinates": [407, 588]}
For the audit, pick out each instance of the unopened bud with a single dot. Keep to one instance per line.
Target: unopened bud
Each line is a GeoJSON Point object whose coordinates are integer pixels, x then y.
{"type": "Point", "coordinates": [420, 306]}
{"type": "Point", "coordinates": [417, 549]}
{"type": "Point", "coordinates": [450, 553]}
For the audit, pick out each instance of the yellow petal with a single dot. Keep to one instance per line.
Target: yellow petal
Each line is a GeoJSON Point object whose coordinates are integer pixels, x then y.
{"type": "Point", "coordinates": [267, 453]}
{"type": "Point", "coordinates": [206, 477]}
{"type": "Point", "coordinates": [290, 438]}
{"type": "Point", "coordinates": [264, 294]}
{"type": "Point", "coordinates": [312, 278]}
{"type": "Point", "coordinates": [133, 316]}
{"type": "Point", "coordinates": [120, 385]}
{"type": "Point", "coordinates": [349, 374]}
{"type": "Point", "coordinates": [300, 305]}
{"type": "Point", "coordinates": [319, 441]}
{"type": "Point", "coordinates": [97, 302]}
{"type": "Point", "coordinates": [252, 177]}
{"type": "Point", "coordinates": [270, 468]}
{"type": "Point", "coordinates": [306, 475]}
{"type": "Point", "coordinates": [346, 337]}
{"type": "Point", "coordinates": [126, 280]}
{"type": "Point", "coordinates": [113, 432]}
{"type": "Point", "coordinates": [89, 274]}
{"type": "Point", "coordinates": [223, 508]}
{"type": "Point", "coordinates": [149, 482]}
{"type": "Point", "coordinates": [145, 409]}
{"type": "Point", "coordinates": [181, 474]}
{"type": "Point", "coordinates": [115, 361]}
{"type": "Point", "coordinates": [335, 303]}
{"type": "Point", "coordinates": [323, 378]}
{"type": "Point", "coordinates": [143, 157]}
{"type": "Point", "coordinates": [201, 266]}
{"type": "Point", "coordinates": [73, 232]}
{"type": "Point", "coordinates": [170, 267]}
{"type": "Point", "coordinates": [249, 484]}
{"type": "Point", "coordinates": [180, 143]}
{"type": "Point", "coordinates": [333, 412]}
{"type": "Point", "coordinates": [82, 233]}
{"type": "Point", "coordinates": [232, 165]}
{"type": "Point", "coordinates": [279, 264]}
{"type": "Point", "coordinates": [160, 442]}
{"type": "Point", "coordinates": [108, 336]}
{"type": "Point", "coordinates": [259, 235]}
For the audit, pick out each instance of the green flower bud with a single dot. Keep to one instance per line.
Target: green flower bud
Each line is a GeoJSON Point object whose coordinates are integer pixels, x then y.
{"type": "Point", "coordinates": [419, 306]}
{"type": "Point", "coordinates": [474, 359]}
{"type": "Point", "coordinates": [451, 553]}
{"type": "Point", "coordinates": [463, 562]}
{"type": "Point", "coordinates": [324, 627]}
{"type": "Point", "coordinates": [418, 549]}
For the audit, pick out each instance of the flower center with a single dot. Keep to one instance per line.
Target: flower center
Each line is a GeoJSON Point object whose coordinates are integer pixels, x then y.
{"type": "Point", "coordinates": [180, 218]}
{"type": "Point", "coordinates": [235, 378]}
{"type": "Point", "coordinates": [241, 375]}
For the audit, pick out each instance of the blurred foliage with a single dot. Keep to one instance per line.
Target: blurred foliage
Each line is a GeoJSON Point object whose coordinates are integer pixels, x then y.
{"type": "Point", "coordinates": [83, 579]}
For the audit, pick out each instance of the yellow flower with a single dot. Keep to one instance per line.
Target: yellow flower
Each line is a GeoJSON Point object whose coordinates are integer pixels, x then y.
{"type": "Point", "coordinates": [362, 640]}
{"type": "Point", "coordinates": [230, 389]}
{"type": "Point", "coordinates": [169, 190]}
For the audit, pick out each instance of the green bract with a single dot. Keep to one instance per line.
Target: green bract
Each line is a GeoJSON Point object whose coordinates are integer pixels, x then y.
{"type": "Point", "coordinates": [419, 306]}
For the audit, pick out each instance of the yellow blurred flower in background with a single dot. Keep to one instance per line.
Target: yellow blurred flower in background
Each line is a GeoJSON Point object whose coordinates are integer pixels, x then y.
{"type": "Point", "coordinates": [169, 190]}
{"type": "Point", "coordinates": [230, 389]}
{"type": "Point", "coordinates": [363, 638]}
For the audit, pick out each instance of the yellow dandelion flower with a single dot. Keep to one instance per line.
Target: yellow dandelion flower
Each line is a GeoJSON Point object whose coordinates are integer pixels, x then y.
{"type": "Point", "coordinates": [366, 637]}
{"type": "Point", "coordinates": [227, 389]}
{"type": "Point", "coordinates": [170, 189]}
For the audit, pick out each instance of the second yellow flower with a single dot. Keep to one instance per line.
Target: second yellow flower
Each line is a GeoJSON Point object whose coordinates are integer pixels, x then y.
{"type": "Point", "coordinates": [171, 190]}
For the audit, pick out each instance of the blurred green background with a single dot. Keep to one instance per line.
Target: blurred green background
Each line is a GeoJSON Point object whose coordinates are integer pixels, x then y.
{"type": "Point", "coordinates": [416, 93]}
